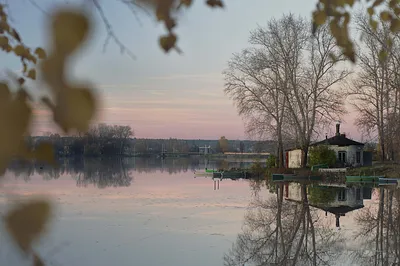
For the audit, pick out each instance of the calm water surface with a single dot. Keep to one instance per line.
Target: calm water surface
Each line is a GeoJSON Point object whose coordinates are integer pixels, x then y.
{"type": "Point", "coordinates": [154, 212]}
{"type": "Point", "coordinates": [135, 212]}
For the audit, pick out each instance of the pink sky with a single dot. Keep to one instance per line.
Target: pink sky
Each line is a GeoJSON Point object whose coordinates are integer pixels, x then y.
{"type": "Point", "coordinates": [156, 113]}
{"type": "Point", "coordinates": [162, 95]}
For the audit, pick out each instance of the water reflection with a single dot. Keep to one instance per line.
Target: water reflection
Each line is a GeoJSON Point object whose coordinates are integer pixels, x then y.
{"type": "Point", "coordinates": [115, 172]}
{"type": "Point", "coordinates": [379, 230]}
{"type": "Point", "coordinates": [291, 227]}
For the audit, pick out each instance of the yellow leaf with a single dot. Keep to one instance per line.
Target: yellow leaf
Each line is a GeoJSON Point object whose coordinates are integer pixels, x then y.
{"type": "Point", "coordinates": [40, 53]}
{"type": "Point", "coordinates": [215, 3]}
{"type": "Point", "coordinates": [15, 116]}
{"type": "Point", "coordinates": [340, 3]}
{"type": "Point", "coordinates": [45, 153]}
{"type": "Point", "coordinates": [75, 108]}
{"type": "Point", "coordinates": [385, 16]}
{"type": "Point", "coordinates": [3, 41]}
{"type": "Point", "coordinates": [70, 29]}
{"type": "Point", "coordinates": [19, 50]}
{"type": "Point", "coordinates": [186, 2]}
{"type": "Point", "coordinates": [319, 17]}
{"type": "Point", "coordinates": [371, 11]}
{"type": "Point", "coordinates": [27, 221]}
{"type": "Point", "coordinates": [53, 71]}
{"type": "Point", "coordinates": [395, 26]}
{"type": "Point", "coordinates": [377, 3]}
{"type": "Point", "coordinates": [373, 24]}
{"type": "Point", "coordinates": [382, 55]}
{"type": "Point", "coordinates": [4, 25]}
{"type": "Point", "coordinates": [32, 74]}
{"type": "Point", "coordinates": [350, 2]}
{"type": "Point", "coordinates": [4, 93]}
{"type": "Point", "coordinates": [167, 42]}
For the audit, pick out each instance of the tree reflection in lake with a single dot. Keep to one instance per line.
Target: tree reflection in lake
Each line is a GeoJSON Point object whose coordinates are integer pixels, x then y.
{"type": "Point", "coordinates": [379, 230]}
{"type": "Point", "coordinates": [99, 172]}
{"type": "Point", "coordinates": [284, 230]}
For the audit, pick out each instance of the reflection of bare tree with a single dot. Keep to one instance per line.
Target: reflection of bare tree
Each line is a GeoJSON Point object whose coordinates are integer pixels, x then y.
{"type": "Point", "coordinates": [379, 230]}
{"type": "Point", "coordinates": [281, 232]}
{"type": "Point", "coordinates": [108, 173]}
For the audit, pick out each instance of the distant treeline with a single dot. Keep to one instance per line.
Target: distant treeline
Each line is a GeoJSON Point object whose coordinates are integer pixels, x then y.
{"type": "Point", "coordinates": [115, 140]}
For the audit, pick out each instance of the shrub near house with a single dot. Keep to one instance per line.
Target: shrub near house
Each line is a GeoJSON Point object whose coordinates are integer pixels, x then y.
{"type": "Point", "coordinates": [322, 154]}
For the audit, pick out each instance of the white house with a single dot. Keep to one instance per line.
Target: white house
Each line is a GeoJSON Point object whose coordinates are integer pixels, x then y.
{"type": "Point", "coordinates": [348, 152]}
{"type": "Point", "coordinates": [346, 199]}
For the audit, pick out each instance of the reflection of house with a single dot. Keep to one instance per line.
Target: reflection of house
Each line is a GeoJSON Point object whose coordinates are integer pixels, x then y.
{"type": "Point", "coordinates": [348, 151]}
{"type": "Point", "coordinates": [342, 201]}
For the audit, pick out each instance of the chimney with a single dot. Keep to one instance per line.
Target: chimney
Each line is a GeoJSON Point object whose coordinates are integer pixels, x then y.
{"type": "Point", "coordinates": [338, 129]}
{"type": "Point", "coordinates": [337, 220]}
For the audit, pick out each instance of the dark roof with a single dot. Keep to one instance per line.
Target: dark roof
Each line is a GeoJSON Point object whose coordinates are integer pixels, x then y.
{"type": "Point", "coordinates": [335, 210]}
{"type": "Point", "coordinates": [339, 210]}
{"type": "Point", "coordinates": [339, 140]}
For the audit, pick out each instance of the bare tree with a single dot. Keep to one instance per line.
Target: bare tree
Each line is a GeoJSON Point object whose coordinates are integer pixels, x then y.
{"type": "Point", "coordinates": [286, 81]}
{"type": "Point", "coordinates": [123, 133]}
{"type": "Point", "coordinates": [312, 100]}
{"type": "Point", "coordinates": [375, 92]}
{"type": "Point", "coordinates": [256, 93]}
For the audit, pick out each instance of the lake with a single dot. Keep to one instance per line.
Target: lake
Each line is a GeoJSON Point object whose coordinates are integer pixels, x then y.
{"type": "Point", "coordinates": [139, 211]}
{"type": "Point", "coordinates": [134, 212]}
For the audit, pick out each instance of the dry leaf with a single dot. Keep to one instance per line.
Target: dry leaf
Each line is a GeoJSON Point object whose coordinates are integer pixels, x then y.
{"type": "Point", "coordinates": [168, 42]}
{"type": "Point", "coordinates": [32, 74]}
{"type": "Point", "coordinates": [215, 3]}
{"type": "Point", "coordinates": [75, 108]}
{"type": "Point", "coordinates": [53, 72]}
{"type": "Point", "coordinates": [20, 50]}
{"type": "Point", "coordinates": [186, 2]}
{"type": "Point", "coordinates": [3, 41]}
{"type": "Point", "coordinates": [15, 115]}
{"type": "Point", "coordinates": [70, 29]}
{"type": "Point", "coordinates": [27, 221]}
{"type": "Point", "coordinates": [40, 53]}
{"type": "Point", "coordinates": [45, 153]}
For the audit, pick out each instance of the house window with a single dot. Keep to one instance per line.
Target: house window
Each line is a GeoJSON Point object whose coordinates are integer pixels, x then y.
{"type": "Point", "coordinates": [342, 156]}
{"type": "Point", "coordinates": [342, 195]}
{"type": "Point", "coordinates": [358, 157]}
{"type": "Point", "coordinates": [358, 194]}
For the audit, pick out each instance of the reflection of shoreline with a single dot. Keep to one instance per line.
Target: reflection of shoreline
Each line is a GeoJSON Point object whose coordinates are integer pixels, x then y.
{"type": "Point", "coordinates": [140, 165]}
{"type": "Point", "coordinates": [112, 171]}
{"type": "Point", "coordinates": [101, 173]}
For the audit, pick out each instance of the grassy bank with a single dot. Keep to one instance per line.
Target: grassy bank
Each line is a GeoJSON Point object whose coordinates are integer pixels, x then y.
{"type": "Point", "coordinates": [386, 169]}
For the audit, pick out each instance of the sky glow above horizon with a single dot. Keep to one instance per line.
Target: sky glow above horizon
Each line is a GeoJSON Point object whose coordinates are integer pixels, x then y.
{"type": "Point", "coordinates": [162, 95]}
